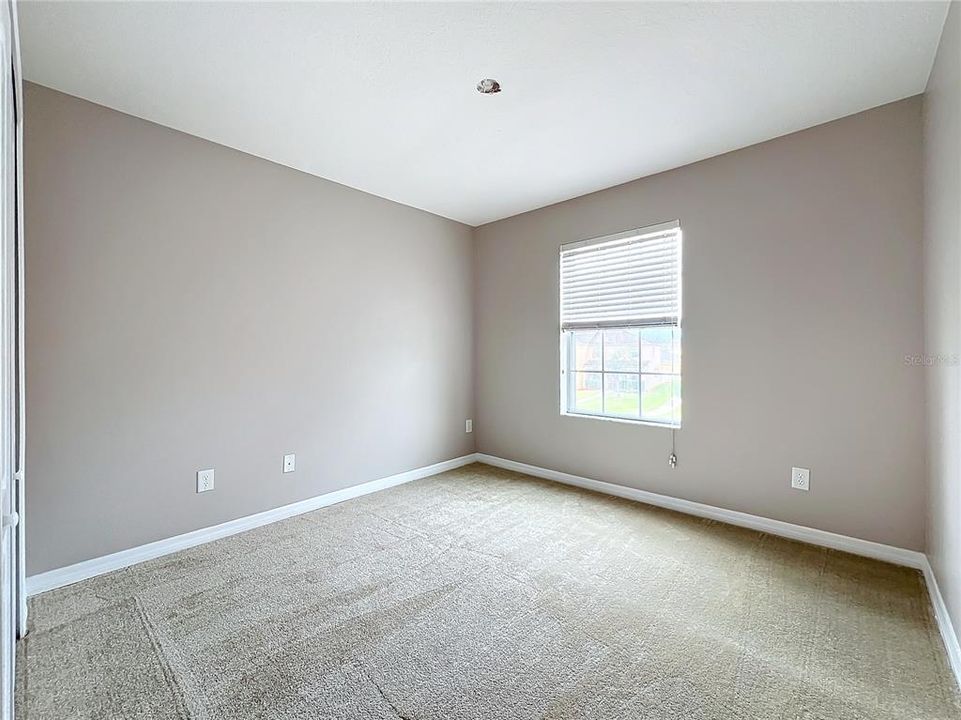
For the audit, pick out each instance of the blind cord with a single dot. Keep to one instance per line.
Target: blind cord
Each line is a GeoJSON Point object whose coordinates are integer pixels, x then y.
{"type": "Point", "coordinates": [673, 457]}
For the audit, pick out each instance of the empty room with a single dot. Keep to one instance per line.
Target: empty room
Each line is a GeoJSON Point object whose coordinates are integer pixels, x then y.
{"type": "Point", "coordinates": [480, 360]}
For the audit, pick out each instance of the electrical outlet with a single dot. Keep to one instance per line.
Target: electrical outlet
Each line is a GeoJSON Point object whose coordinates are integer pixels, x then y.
{"type": "Point", "coordinates": [468, 425]}
{"type": "Point", "coordinates": [289, 463]}
{"type": "Point", "coordinates": [800, 478]}
{"type": "Point", "coordinates": [205, 480]}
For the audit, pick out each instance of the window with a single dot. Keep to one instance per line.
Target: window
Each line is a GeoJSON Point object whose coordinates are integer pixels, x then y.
{"type": "Point", "coordinates": [621, 326]}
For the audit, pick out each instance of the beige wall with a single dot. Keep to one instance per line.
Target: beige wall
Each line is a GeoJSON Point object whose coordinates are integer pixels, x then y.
{"type": "Point", "coordinates": [942, 242]}
{"type": "Point", "coordinates": [802, 297]}
{"type": "Point", "coordinates": [190, 306]}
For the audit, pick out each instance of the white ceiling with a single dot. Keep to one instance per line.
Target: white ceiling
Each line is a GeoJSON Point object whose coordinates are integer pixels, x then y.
{"type": "Point", "coordinates": [381, 96]}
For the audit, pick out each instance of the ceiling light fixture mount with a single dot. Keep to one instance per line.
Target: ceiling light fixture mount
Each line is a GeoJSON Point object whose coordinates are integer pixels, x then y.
{"type": "Point", "coordinates": [487, 86]}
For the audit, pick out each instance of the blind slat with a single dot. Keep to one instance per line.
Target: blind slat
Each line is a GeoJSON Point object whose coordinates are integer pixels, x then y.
{"type": "Point", "coordinates": [632, 279]}
{"type": "Point", "coordinates": [608, 258]}
{"type": "Point", "coordinates": [619, 267]}
{"type": "Point", "coordinates": [616, 277]}
{"type": "Point", "coordinates": [627, 290]}
{"type": "Point", "coordinates": [660, 307]}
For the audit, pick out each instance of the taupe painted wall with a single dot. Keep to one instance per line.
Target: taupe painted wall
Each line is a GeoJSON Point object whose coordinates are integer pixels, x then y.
{"type": "Point", "coordinates": [190, 306]}
{"type": "Point", "coordinates": [942, 243]}
{"type": "Point", "coordinates": [802, 297]}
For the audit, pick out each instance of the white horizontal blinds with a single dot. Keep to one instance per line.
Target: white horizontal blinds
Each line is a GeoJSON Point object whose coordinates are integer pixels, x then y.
{"type": "Point", "coordinates": [626, 280]}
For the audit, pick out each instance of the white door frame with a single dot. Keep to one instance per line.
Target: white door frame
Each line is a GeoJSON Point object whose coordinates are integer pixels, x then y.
{"type": "Point", "coordinates": [20, 428]}
{"type": "Point", "coordinates": [11, 397]}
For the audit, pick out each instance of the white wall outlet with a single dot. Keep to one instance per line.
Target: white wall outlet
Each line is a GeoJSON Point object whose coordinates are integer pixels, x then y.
{"type": "Point", "coordinates": [468, 425]}
{"type": "Point", "coordinates": [205, 480]}
{"type": "Point", "coordinates": [289, 463]}
{"type": "Point", "coordinates": [800, 478]}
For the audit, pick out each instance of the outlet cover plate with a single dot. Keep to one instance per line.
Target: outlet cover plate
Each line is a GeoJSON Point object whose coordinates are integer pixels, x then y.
{"type": "Point", "coordinates": [290, 463]}
{"type": "Point", "coordinates": [205, 480]}
{"type": "Point", "coordinates": [801, 479]}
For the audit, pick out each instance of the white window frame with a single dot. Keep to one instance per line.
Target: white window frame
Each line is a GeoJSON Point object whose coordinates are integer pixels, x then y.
{"type": "Point", "coordinates": [566, 344]}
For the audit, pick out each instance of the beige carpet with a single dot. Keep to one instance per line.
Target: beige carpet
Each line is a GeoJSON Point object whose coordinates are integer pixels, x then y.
{"type": "Point", "coordinates": [481, 593]}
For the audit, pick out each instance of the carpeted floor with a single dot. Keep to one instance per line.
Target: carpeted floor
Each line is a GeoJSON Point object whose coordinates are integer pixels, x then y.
{"type": "Point", "coordinates": [481, 593]}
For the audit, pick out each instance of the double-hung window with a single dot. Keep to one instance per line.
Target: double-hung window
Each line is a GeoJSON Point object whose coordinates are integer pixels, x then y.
{"type": "Point", "coordinates": [621, 326]}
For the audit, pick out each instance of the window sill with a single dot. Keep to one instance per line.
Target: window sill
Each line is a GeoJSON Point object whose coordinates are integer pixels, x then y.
{"type": "Point", "coordinates": [626, 421]}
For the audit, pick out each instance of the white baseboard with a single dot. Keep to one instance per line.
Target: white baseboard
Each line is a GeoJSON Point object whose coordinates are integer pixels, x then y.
{"type": "Point", "coordinates": [945, 626]}
{"type": "Point", "coordinates": [856, 546]}
{"type": "Point", "coordinates": [98, 566]}
{"type": "Point", "coordinates": [898, 556]}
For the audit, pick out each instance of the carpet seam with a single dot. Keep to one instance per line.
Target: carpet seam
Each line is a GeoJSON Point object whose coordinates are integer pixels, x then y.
{"type": "Point", "coordinates": [168, 673]}
{"type": "Point", "coordinates": [380, 691]}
